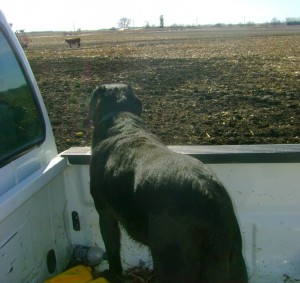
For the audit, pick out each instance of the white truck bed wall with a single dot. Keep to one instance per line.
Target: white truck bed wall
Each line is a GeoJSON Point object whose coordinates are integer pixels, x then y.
{"type": "Point", "coordinates": [264, 185]}
{"type": "Point", "coordinates": [40, 222]}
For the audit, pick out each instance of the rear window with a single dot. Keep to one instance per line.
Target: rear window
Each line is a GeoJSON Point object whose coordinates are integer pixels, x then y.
{"type": "Point", "coordinates": [21, 124]}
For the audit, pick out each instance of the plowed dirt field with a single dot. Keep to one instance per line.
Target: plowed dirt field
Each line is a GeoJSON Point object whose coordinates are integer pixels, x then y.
{"type": "Point", "coordinates": [198, 86]}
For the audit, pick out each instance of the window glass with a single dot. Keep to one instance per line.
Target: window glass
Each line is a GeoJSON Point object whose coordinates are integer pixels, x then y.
{"type": "Point", "coordinates": [21, 125]}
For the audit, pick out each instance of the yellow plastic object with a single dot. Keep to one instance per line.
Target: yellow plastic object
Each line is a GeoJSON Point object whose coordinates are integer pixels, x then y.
{"type": "Point", "coordinates": [100, 280]}
{"type": "Point", "coordinates": [77, 274]}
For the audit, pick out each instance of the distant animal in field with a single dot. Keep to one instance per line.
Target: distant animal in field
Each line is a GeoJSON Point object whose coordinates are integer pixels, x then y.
{"type": "Point", "coordinates": [168, 201]}
{"type": "Point", "coordinates": [72, 41]}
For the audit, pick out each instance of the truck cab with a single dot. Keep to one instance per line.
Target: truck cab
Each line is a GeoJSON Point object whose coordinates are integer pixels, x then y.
{"type": "Point", "coordinates": [28, 164]}
{"type": "Point", "coordinates": [46, 207]}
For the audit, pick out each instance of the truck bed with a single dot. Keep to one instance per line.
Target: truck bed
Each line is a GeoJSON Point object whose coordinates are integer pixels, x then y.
{"type": "Point", "coordinates": [42, 220]}
{"type": "Point", "coordinates": [263, 181]}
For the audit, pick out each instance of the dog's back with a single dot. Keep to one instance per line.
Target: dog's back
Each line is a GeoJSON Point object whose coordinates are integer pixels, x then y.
{"type": "Point", "coordinates": [171, 202]}
{"type": "Point", "coordinates": [193, 232]}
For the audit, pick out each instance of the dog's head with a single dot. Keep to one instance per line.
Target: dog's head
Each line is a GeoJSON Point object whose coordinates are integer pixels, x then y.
{"type": "Point", "coordinates": [109, 98]}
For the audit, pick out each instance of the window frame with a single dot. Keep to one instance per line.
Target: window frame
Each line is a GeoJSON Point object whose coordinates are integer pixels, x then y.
{"type": "Point", "coordinates": [22, 150]}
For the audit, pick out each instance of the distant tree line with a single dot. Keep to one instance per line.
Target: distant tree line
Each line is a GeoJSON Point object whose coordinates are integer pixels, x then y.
{"type": "Point", "coordinates": [124, 23]}
{"type": "Point", "coordinates": [289, 21]}
{"type": "Point", "coordinates": [293, 21]}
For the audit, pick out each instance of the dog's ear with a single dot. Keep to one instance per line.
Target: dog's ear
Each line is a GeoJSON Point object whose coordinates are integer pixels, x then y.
{"type": "Point", "coordinates": [131, 102]}
{"type": "Point", "coordinates": [95, 103]}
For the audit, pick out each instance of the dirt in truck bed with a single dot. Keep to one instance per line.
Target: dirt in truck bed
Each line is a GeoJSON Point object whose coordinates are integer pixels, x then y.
{"type": "Point", "coordinates": [198, 86]}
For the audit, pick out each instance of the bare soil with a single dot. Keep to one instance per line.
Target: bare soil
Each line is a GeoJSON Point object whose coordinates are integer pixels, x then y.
{"type": "Point", "coordinates": [198, 86]}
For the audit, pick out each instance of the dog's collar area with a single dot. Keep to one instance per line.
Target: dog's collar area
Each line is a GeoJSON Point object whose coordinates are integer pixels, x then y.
{"type": "Point", "coordinates": [108, 116]}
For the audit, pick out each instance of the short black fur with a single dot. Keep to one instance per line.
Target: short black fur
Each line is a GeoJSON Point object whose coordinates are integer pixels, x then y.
{"type": "Point", "coordinates": [168, 201]}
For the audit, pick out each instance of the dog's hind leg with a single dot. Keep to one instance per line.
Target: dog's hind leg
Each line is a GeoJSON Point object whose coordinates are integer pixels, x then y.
{"type": "Point", "coordinates": [186, 251]}
{"type": "Point", "coordinates": [175, 256]}
{"type": "Point", "coordinates": [237, 266]}
{"type": "Point", "coordinates": [172, 264]}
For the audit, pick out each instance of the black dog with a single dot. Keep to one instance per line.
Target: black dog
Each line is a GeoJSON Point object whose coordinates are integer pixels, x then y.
{"type": "Point", "coordinates": [168, 201]}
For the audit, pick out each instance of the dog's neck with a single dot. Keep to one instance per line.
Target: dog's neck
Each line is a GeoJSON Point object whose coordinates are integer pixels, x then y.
{"type": "Point", "coordinates": [103, 126]}
{"type": "Point", "coordinates": [100, 131]}
{"type": "Point", "coordinates": [108, 116]}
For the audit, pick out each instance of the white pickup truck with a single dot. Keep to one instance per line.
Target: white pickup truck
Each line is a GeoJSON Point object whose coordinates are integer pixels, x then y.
{"type": "Point", "coordinates": [46, 207]}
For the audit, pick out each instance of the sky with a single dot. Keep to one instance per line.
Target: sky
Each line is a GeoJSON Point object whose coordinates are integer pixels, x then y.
{"type": "Point", "coordinates": [70, 15]}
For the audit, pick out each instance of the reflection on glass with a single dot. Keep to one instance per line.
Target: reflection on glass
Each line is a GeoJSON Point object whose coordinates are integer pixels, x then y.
{"type": "Point", "coordinates": [20, 123]}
